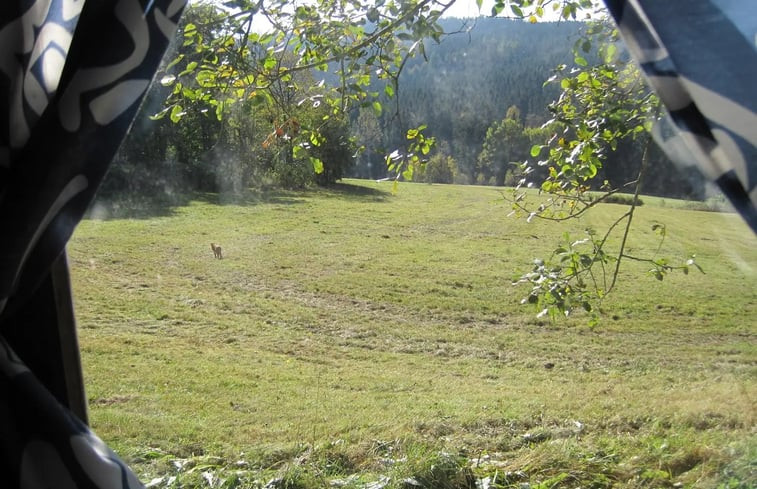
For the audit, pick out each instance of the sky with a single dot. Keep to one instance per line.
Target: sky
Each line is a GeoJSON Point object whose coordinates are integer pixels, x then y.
{"type": "Point", "coordinates": [467, 8]}
{"type": "Point", "coordinates": [460, 9]}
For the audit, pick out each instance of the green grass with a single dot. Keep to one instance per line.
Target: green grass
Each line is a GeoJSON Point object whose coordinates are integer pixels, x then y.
{"type": "Point", "coordinates": [354, 336]}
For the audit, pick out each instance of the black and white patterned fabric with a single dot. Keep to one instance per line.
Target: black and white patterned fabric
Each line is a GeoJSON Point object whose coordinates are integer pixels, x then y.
{"type": "Point", "coordinates": [700, 57]}
{"type": "Point", "coordinates": [43, 444]}
{"type": "Point", "coordinates": [72, 76]}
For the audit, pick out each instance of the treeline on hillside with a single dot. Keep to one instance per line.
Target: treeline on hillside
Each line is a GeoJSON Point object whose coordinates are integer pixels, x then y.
{"type": "Point", "coordinates": [480, 91]}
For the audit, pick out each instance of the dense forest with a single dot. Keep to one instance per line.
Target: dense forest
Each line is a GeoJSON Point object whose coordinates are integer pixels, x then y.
{"type": "Point", "coordinates": [481, 91]}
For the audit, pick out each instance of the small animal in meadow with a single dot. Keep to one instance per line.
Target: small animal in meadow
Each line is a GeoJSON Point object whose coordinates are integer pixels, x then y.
{"type": "Point", "coordinates": [216, 250]}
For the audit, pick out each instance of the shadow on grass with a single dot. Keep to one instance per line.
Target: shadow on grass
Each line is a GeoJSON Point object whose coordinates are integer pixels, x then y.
{"type": "Point", "coordinates": [135, 206]}
{"type": "Point", "coordinates": [147, 206]}
{"type": "Point", "coordinates": [251, 196]}
{"type": "Point", "coordinates": [344, 191]}
{"type": "Point", "coordinates": [352, 192]}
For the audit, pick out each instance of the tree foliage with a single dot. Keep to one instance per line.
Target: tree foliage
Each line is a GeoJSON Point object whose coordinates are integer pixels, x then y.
{"type": "Point", "coordinates": [440, 168]}
{"type": "Point", "coordinates": [505, 145]}
{"type": "Point", "coordinates": [232, 61]}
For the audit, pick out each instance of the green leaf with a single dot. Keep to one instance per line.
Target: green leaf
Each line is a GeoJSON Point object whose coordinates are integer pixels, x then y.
{"type": "Point", "coordinates": [516, 10]}
{"type": "Point", "coordinates": [173, 63]}
{"type": "Point", "coordinates": [610, 52]}
{"type": "Point", "coordinates": [177, 112]}
{"type": "Point", "coordinates": [536, 150]}
{"type": "Point", "coordinates": [317, 164]}
{"type": "Point", "coordinates": [206, 78]}
{"type": "Point", "coordinates": [377, 109]}
{"type": "Point", "coordinates": [581, 61]}
{"type": "Point", "coordinates": [191, 66]}
{"type": "Point", "coordinates": [270, 63]}
{"type": "Point", "coordinates": [189, 93]}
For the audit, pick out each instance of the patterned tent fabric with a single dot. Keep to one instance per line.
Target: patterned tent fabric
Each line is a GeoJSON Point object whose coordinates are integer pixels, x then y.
{"type": "Point", "coordinates": [72, 76]}
{"type": "Point", "coordinates": [700, 57]}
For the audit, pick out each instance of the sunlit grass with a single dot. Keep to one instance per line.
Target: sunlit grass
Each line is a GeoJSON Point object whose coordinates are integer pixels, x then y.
{"type": "Point", "coordinates": [368, 326]}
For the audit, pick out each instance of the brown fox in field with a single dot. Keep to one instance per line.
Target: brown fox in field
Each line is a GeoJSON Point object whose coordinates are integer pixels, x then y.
{"type": "Point", "coordinates": [216, 250]}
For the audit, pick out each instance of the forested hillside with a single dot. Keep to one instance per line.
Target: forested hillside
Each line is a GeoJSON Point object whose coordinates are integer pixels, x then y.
{"type": "Point", "coordinates": [481, 91]}
{"type": "Point", "coordinates": [472, 78]}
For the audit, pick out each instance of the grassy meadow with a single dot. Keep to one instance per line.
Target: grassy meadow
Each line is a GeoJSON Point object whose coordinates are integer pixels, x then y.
{"type": "Point", "coordinates": [351, 337]}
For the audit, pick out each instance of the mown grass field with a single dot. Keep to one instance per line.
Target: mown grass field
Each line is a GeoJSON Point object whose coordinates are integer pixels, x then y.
{"type": "Point", "coordinates": [358, 338]}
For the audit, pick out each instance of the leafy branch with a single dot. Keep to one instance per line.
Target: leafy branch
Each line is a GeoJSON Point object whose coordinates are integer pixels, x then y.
{"type": "Point", "coordinates": [600, 106]}
{"type": "Point", "coordinates": [225, 62]}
